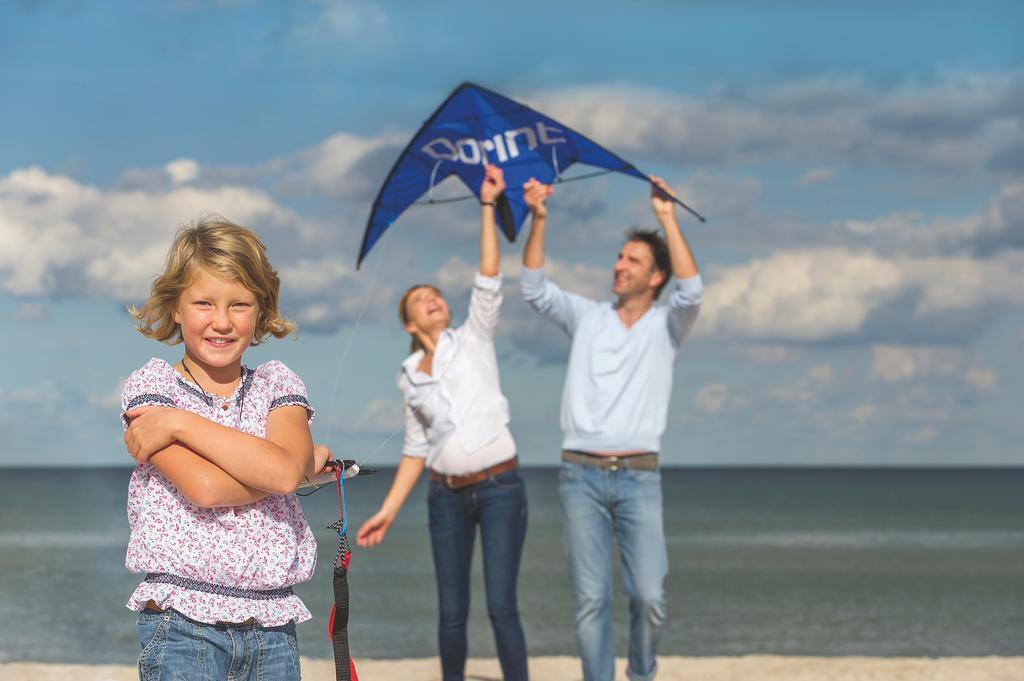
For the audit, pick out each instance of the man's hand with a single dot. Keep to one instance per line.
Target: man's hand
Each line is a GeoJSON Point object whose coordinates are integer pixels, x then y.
{"type": "Point", "coordinates": [661, 198]}
{"type": "Point", "coordinates": [493, 184]}
{"type": "Point", "coordinates": [534, 195]}
{"type": "Point", "coordinates": [151, 429]}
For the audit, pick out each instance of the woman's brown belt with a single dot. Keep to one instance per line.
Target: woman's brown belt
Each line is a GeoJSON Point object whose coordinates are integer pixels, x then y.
{"type": "Point", "coordinates": [460, 481]}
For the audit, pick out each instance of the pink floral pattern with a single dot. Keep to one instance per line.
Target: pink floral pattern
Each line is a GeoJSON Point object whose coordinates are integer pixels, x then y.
{"type": "Point", "coordinates": [260, 546]}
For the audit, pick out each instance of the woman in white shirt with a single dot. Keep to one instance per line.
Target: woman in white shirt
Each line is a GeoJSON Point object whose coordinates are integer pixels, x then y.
{"type": "Point", "coordinates": [456, 424]}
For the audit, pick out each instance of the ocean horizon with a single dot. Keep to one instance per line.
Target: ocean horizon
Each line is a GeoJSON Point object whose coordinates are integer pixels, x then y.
{"type": "Point", "coordinates": [795, 560]}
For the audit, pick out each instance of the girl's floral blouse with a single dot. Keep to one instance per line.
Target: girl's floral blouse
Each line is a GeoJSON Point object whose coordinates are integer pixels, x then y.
{"type": "Point", "coordinates": [262, 546]}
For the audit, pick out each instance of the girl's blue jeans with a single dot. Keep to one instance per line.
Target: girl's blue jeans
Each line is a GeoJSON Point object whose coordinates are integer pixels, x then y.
{"type": "Point", "coordinates": [498, 506]}
{"type": "Point", "coordinates": [176, 648]}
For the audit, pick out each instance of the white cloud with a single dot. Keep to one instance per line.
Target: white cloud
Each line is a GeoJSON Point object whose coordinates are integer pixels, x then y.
{"type": "Point", "coordinates": [337, 28]}
{"type": "Point", "coordinates": [722, 195]}
{"type": "Point", "coordinates": [182, 170]}
{"type": "Point", "coordinates": [982, 378]}
{"type": "Point", "coordinates": [324, 293]}
{"type": "Point", "coordinates": [61, 237]}
{"type": "Point", "coordinates": [797, 295]}
{"type": "Point", "coordinates": [110, 402]}
{"type": "Point", "coordinates": [999, 225]}
{"type": "Point", "coordinates": [343, 165]}
{"type": "Point", "coordinates": [863, 413]}
{"type": "Point", "coordinates": [711, 398]}
{"type": "Point", "coordinates": [30, 312]}
{"type": "Point", "coordinates": [456, 276]}
{"type": "Point", "coordinates": [768, 354]}
{"type": "Point", "coordinates": [592, 281]}
{"type": "Point", "coordinates": [805, 390]}
{"type": "Point", "coordinates": [897, 363]}
{"type": "Point", "coordinates": [921, 436]}
{"type": "Point", "coordinates": [824, 293]}
{"type": "Point", "coordinates": [352, 20]}
{"type": "Point", "coordinates": [961, 122]}
{"type": "Point", "coordinates": [821, 373]}
{"type": "Point", "coordinates": [42, 398]}
{"type": "Point", "coordinates": [816, 176]}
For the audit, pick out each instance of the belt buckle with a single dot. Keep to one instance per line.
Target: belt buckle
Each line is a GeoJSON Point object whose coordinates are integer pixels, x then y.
{"type": "Point", "coordinates": [614, 460]}
{"type": "Point", "coordinates": [448, 481]}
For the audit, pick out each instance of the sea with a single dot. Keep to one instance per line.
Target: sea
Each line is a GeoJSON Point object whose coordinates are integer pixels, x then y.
{"type": "Point", "coordinates": [786, 561]}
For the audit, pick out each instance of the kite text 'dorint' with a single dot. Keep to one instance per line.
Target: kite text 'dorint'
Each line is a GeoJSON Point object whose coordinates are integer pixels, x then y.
{"type": "Point", "coordinates": [504, 145]}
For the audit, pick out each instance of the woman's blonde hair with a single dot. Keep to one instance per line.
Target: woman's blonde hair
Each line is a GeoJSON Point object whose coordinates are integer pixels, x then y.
{"type": "Point", "coordinates": [226, 250]}
{"type": "Point", "coordinates": [403, 312]}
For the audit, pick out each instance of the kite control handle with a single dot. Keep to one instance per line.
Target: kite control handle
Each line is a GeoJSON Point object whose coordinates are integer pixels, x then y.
{"type": "Point", "coordinates": [668, 196]}
{"type": "Point", "coordinates": [349, 468]}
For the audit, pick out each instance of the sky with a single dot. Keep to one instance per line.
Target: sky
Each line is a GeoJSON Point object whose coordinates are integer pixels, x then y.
{"type": "Point", "coordinates": [861, 166]}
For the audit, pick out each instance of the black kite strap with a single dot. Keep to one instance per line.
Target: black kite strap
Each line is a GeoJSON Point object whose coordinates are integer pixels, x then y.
{"type": "Point", "coordinates": [337, 627]}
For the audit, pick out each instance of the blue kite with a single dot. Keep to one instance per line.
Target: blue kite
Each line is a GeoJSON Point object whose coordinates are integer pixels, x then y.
{"type": "Point", "coordinates": [475, 126]}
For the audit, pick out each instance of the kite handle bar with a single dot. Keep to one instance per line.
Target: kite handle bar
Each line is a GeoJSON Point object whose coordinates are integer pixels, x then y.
{"type": "Point", "coordinates": [689, 210]}
{"type": "Point", "coordinates": [347, 465]}
{"type": "Point", "coordinates": [558, 180]}
{"type": "Point", "coordinates": [349, 469]}
{"type": "Point", "coordinates": [665, 195]}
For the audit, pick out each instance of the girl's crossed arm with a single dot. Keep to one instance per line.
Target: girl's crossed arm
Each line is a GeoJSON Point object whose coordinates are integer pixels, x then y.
{"type": "Point", "coordinates": [192, 449]}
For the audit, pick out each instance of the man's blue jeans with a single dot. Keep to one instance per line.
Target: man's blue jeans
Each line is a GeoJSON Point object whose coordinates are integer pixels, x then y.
{"type": "Point", "coordinates": [598, 504]}
{"type": "Point", "coordinates": [176, 647]}
{"type": "Point", "coordinates": [498, 506]}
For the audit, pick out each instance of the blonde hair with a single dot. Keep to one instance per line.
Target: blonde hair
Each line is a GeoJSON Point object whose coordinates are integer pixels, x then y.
{"type": "Point", "coordinates": [403, 312]}
{"type": "Point", "coordinates": [226, 250]}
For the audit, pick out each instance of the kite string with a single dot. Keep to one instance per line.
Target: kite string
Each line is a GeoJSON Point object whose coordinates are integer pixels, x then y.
{"type": "Point", "coordinates": [344, 356]}
{"type": "Point", "coordinates": [348, 343]}
{"type": "Point", "coordinates": [416, 410]}
{"type": "Point", "coordinates": [456, 199]}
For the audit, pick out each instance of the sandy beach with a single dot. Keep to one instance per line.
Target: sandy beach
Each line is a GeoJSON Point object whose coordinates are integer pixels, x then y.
{"type": "Point", "coordinates": [564, 668]}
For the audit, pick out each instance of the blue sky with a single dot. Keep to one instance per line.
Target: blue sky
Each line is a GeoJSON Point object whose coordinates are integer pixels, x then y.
{"type": "Point", "coordinates": [860, 164]}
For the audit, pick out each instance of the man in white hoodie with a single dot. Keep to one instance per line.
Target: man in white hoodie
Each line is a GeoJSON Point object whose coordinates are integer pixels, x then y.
{"type": "Point", "coordinates": [614, 408]}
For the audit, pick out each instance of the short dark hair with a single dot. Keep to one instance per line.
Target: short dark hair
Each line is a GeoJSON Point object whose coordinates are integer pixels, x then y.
{"type": "Point", "coordinates": [659, 250]}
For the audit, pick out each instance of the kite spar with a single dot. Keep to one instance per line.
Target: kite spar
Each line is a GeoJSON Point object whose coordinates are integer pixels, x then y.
{"type": "Point", "coordinates": [474, 126]}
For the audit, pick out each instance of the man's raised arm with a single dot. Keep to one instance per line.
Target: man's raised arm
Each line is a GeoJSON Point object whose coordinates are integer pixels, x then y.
{"type": "Point", "coordinates": [534, 195]}
{"type": "Point", "coordinates": [565, 309]}
{"type": "Point", "coordinates": [687, 293]}
{"type": "Point", "coordinates": [683, 264]}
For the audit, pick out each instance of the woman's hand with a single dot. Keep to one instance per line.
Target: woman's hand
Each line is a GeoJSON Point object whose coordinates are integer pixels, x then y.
{"type": "Point", "coordinates": [150, 430]}
{"type": "Point", "coordinates": [493, 184]}
{"type": "Point", "coordinates": [373, 530]}
{"type": "Point", "coordinates": [534, 196]}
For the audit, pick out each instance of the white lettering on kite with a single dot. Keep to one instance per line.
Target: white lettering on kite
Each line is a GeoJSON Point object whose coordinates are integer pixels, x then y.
{"type": "Point", "coordinates": [504, 145]}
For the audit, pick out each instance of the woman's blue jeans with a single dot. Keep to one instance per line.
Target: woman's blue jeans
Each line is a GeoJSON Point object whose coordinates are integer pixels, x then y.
{"type": "Point", "coordinates": [175, 647]}
{"type": "Point", "coordinates": [498, 506]}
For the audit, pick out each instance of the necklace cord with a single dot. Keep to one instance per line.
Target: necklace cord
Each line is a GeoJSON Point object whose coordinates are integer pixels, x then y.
{"type": "Point", "coordinates": [210, 396]}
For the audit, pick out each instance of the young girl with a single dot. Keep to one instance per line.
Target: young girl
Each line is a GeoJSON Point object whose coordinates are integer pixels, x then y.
{"type": "Point", "coordinates": [219, 449]}
{"type": "Point", "coordinates": [456, 424]}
